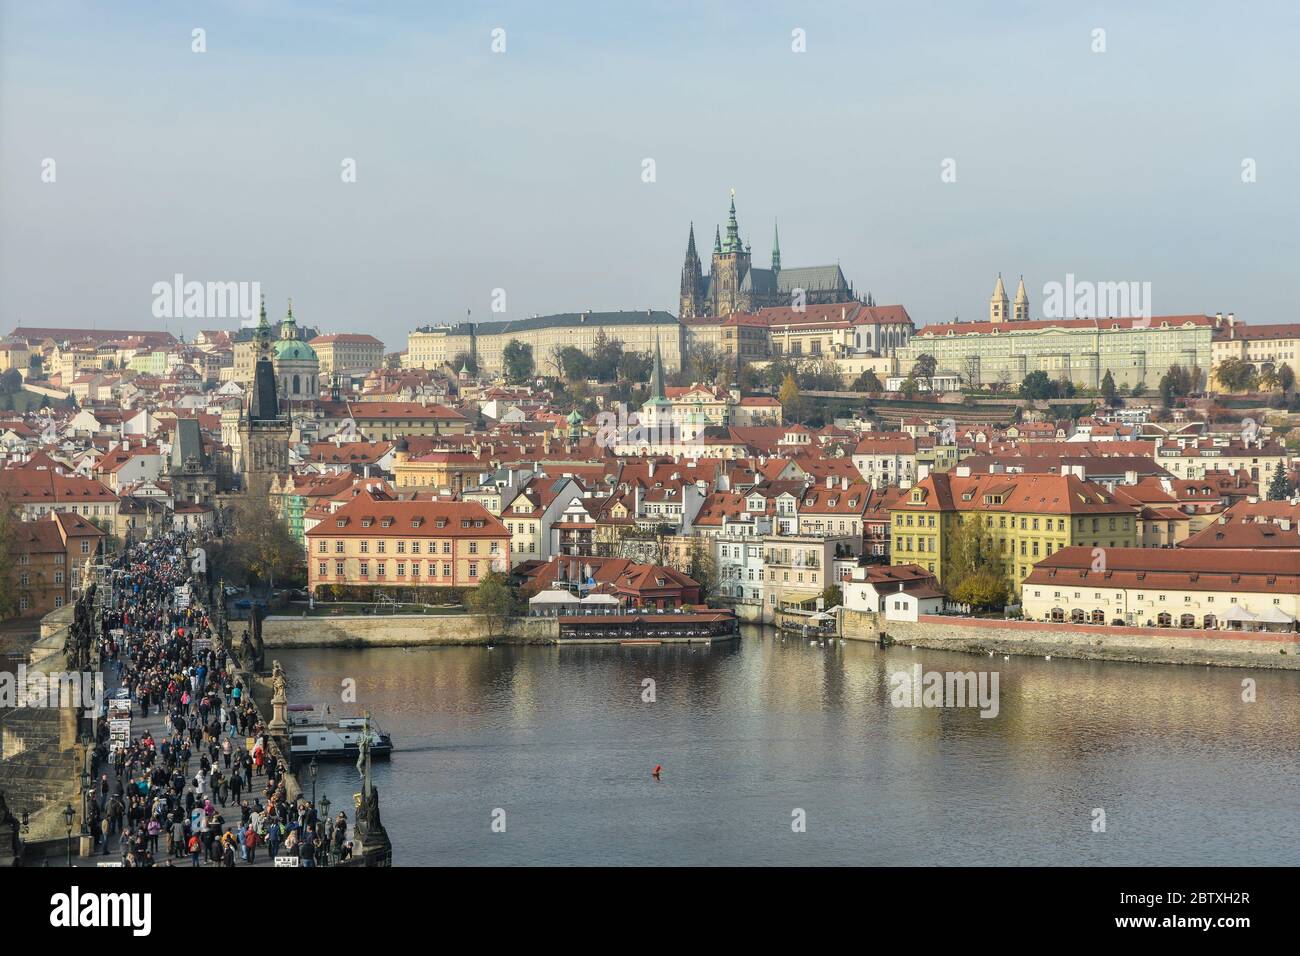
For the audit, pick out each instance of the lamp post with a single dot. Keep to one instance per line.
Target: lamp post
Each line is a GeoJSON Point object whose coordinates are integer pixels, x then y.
{"type": "Point", "coordinates": [328, 829]}
{"type": "Point", "coordinates": [85, 801]}
{"type": "Point", "coordinates": [69, 815]}
{"type": "Point", "coordinates": [312, 768]}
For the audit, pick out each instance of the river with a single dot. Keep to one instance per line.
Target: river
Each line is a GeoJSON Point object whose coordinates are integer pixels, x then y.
{"type": "Point", "coordinates": [757, 735]}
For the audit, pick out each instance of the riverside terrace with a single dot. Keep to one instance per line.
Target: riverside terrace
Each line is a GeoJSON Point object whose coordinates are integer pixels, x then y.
{"type": "Point", "coordinates": [649, 627]}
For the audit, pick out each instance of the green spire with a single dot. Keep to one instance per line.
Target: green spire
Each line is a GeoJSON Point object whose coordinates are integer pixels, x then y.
{"type": "Point", "coordinates": [717, 241]}
{"type": "Point", "coordinates": [733, 230]}
{"type": "Point", "coordinates": [776, 248]}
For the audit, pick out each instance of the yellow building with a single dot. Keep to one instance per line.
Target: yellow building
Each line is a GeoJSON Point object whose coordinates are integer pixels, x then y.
{"type": "Point", "coordinates": [1026, 518]}
{"type": "Point", "coordinates": [436, 345]}
{"type": "Point", "coordinates": [1260, 345]}
{"type": "Point", "coordinates": [347, 350]}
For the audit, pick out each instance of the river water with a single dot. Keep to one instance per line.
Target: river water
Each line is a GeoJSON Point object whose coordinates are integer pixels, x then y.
{"type": "Point", "coordinates": [561, 741]}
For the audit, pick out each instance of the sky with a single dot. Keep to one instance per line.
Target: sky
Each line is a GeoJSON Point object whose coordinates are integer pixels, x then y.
{"type": "Point", "coordinates": [524, 170]}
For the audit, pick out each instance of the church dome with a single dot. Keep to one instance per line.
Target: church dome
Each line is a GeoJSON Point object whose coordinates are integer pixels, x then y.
{"type": "Point", "coordinates": [292, 350]}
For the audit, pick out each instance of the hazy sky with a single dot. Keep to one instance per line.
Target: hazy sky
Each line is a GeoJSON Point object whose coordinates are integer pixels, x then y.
{"type": "Point", "coordinates": [523, 170]}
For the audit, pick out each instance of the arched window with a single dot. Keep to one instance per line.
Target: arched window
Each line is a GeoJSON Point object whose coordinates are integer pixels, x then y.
{"type": "Point", "coordinates": [295, 383]}
{"type": "Point", "coordinates": [1076, 616]}
{"type": "Point", "coordinates": [1211, 622]}
{"type": "Point", "coordinates": [1187, 620]}
{"type": "Point", "coordinates": [1098, 616]}
{"type": "Point", "coordinates": [1057, 614]}
{"type": "Point", "coordinates": [1164, 619]}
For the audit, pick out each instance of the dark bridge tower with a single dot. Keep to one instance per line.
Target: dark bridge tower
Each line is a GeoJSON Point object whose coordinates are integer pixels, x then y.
{"type": "Point", "coordinates": [692, 296]}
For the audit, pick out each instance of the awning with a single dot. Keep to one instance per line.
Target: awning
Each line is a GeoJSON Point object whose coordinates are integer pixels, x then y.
{"type": "Point", "coordinates": [1239, 613]}
{"type": "Point", "coordinates": [1274, 615]}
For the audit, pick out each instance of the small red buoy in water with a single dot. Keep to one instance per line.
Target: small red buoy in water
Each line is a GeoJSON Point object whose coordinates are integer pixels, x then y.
{"type": "Point", "coordinates": [656, 771]}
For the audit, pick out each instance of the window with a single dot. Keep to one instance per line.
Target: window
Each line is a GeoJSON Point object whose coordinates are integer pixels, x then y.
{"type": "Point", "coordinates": [338, 568]}
{"type": "Point", "coordinates": [365, 569]}
{"type": "Point", "coordinates": [446, 570]}
{"type": "Point", "coordinates": [320, 547]}
{"type": "Point", "coordinates": [338, 547]}
{"type": "Point", "coordinates": [473, 547]}
{"type": "Point", "coordinates": [365, 547]}
{"type": "Point", "coordinates": [320, 569]}
{"type": "Point", "coordinates": [473, 569]}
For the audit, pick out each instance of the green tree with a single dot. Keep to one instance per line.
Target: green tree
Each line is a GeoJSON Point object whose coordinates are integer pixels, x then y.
{"type": "Point", "coordinates": [982, 589]}
{"type": "Point", "coordinates": [1108, 390]}
{"type": "Point", "coordinates": [575, 364]}
{"type": "Point", "coordinates": [517, 360]}
{"type": "Point", "coordinates": [10, 382]}
{"type": "Point", "coordinates": [494, 600]}
{"type": "Point", "coordinates": [1038, 386]}
{"type": "Point", "coordinates": [868, 381]}
{"type": "Point", "coordinates": [1236, 375]}
{"type": "Point", "coordinates": [969, 552]}
{"type": "Point", "coordinates": [606, 354]}
{"type": "Point", "coordinates": [464, 360]}
{"type": "Point", "coordinates": [1176, 383]}
{"type": "Point", "coordinates": [832, 596]}
{"type": "Point", "coordinates": [703, 568]}
{"type": "Point", "coordinates": [1279, 488]}
{"type": "Point", "coordinates": [789, 397]}
{"type": "Point", "coordinates": [261, 547]}
{"type": "Point", "coordinates": [635, 367]}
{"type": "Point", "coordinates": [923, 371]}
{"type": "Point", "coordinates": [1285, 377]}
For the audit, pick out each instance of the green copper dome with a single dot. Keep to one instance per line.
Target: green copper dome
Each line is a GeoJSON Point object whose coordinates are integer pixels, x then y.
{"type": "Point", "coordinates": [292, 350]}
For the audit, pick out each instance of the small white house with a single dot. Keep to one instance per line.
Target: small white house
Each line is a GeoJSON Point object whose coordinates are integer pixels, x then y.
{"type": "Point", "coordinates": [900, 592]}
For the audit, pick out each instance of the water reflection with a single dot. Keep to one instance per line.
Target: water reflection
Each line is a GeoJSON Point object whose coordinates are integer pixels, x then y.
{"type": "Point", "coordinates": [560, 738]}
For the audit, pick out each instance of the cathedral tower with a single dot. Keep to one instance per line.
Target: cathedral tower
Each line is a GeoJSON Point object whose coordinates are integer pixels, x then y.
{"type": "Point", "coordinates": [1020, 311]}
{"type": "Point", "coordinates": [692, 296]}
{"type": "Point", "coordinates": [999, 304]}
{"type": "Point", "coordinates": [730, 266]}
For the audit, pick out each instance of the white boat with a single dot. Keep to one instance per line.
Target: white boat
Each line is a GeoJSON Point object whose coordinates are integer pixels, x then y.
{"type": "Point", "coordinates": [316, 731]}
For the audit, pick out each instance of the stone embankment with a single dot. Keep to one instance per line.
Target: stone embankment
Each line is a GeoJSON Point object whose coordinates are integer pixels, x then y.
{"type": "Point", "coordinates": [1133, 644]}
{"type": "Point", "coordinates": [402, 630]}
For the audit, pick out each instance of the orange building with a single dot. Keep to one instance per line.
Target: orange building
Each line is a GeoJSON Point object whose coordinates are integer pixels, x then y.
{"type": "Point", "coordinates": [374, 541]}
{"type": "Point", "coordinates": [49, 555]}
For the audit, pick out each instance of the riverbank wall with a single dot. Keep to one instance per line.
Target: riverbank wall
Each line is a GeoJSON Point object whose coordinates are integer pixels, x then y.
{"type": "Point", "coordinates": [403, 630]}
{"type": "Point", "coordinates": [1132, 644]}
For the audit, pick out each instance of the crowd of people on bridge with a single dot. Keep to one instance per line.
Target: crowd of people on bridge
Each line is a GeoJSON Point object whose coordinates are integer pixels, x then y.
{"type": "Point", "coordinates": [200, 782]}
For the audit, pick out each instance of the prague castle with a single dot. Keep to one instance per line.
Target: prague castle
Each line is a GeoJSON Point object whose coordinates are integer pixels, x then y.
{"type": "Point", "coordinates": [733, 284]}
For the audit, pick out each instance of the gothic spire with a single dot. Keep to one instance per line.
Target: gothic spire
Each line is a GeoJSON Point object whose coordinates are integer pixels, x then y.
{"type": "Point", "coordinates": [776, 247]}
{"type": "Point", "coordinates": [717, 241]}
{"type": "Point", "coordinates": [733, 230]}
{"type": "Point", "coordinates": [657, 393]}
{"type": "Point", "coordinates": [690, 244]}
